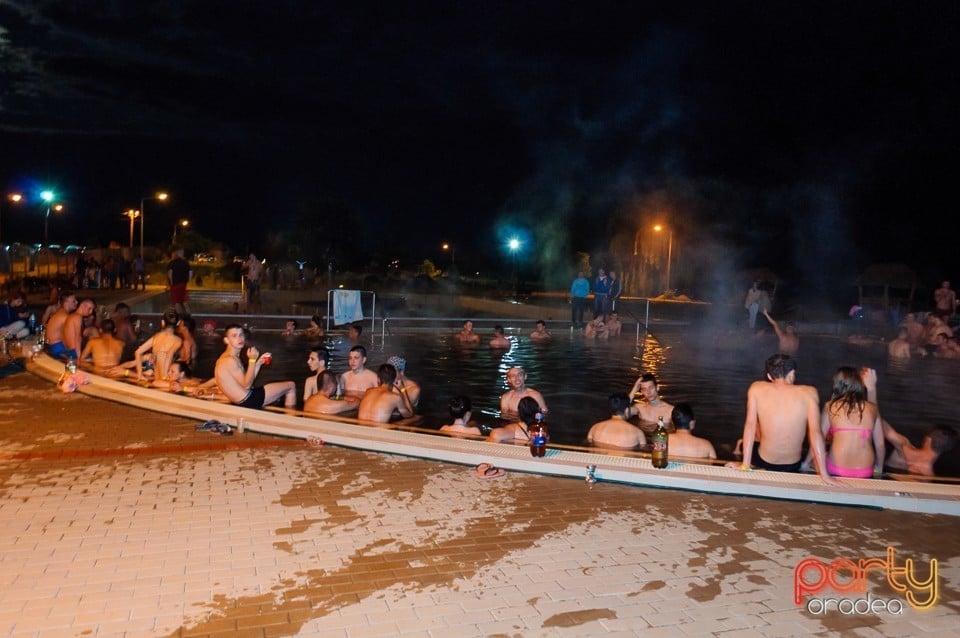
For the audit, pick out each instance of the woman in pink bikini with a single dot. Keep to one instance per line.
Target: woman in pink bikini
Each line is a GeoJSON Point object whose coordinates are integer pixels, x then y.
{"type": "Point", "coordinates": [853, 422]}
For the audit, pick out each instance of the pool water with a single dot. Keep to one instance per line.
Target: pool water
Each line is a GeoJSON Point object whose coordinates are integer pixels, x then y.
{"type": "Point", "coordinates": [576, 377]}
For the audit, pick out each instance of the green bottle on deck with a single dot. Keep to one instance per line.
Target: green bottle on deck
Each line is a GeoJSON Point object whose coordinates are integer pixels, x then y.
{"type": "Point", "coordinates": [658, 449]}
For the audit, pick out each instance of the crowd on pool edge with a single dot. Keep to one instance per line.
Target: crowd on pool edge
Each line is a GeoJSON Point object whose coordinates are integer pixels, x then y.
{"type": "Point", "coordinates": [781, 414]}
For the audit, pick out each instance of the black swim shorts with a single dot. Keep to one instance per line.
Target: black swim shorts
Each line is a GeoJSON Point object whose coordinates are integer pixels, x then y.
{"type": "Point", "coordinates": [254, 399]}
{"type": "Point", "coordinates": [758, 462]}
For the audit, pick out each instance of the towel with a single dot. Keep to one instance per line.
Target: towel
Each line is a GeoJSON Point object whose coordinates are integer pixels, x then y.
{"type": "Point", "coordinates": [346, 307]}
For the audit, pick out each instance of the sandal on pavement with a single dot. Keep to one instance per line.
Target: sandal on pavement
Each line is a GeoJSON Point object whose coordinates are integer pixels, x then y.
{"type": "Point", "coordinates": [487, 471]}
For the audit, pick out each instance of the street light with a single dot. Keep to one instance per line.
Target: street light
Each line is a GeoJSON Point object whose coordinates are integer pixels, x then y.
{"type": "Point", "coordinates": [659, 228]}
{"type": "Point", "coordinates": [513, 245]}
{"type": "Point", "coordinates": [48, 197]}
{"type": "Point", "coordinates": [453, 253]}
{"type": "Point", "coordinates": [143, 215]}
{"type": "Point", "coordinates": [15, 198]}
{"type": "Point", "coordinates": [183, 223]}
{"type": "Point", "coordinates": [132, 214]}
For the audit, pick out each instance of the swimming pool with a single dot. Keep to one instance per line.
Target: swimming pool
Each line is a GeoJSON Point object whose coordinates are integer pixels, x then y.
{"type": "Point", "coordinates": [576, 377]}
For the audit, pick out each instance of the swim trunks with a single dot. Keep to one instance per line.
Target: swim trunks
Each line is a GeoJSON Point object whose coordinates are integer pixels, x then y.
{"type": "Point", "coordinates": [849, 472]}
{"type": "Point", "coordinates": [773, 467]}
{"type": "Point", "coordinates": [178, 293]}
{"type": "Point", "coordinates": [59, 350]}
{"type": "Point", "coordinates": [254, 399]}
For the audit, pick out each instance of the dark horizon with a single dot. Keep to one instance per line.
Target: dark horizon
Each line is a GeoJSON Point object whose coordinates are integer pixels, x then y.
{"type": "Point", "coordinates": [812, 140]}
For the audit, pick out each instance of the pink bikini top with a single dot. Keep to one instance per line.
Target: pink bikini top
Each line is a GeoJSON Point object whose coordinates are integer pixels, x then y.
{"type": "Point", "coordinates": [864, 432]}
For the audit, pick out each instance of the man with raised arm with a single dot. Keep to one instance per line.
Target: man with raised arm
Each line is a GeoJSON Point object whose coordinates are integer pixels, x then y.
{"type": "Point", "coordinates": [236, 383]}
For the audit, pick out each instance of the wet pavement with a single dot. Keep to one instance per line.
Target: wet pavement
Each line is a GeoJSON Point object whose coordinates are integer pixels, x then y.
{"type": "Point", "coordinates": [119, 521]}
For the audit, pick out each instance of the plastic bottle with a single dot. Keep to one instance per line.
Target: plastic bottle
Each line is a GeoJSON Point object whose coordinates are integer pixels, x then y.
{"type": "Point", "coordinates": [32, 323]}
{"type": "Point", "coordinates": [41, 336]}
{"type": "Point", "coordinates": [538, 437]}
{"type": "Point", "coordinates": [658, 449]}
{"type": "Point", "coordinates": [71, 365]}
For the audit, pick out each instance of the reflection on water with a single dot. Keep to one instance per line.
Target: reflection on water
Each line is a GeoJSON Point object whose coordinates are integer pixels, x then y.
{"type": "Point", "coordinates": [576, 377]}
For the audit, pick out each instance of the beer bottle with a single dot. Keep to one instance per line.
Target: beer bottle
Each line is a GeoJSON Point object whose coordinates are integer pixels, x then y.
{"type": "Point", "coordinates": [538, 437]}
{"type": "Point", "coordinates": [658, 450]}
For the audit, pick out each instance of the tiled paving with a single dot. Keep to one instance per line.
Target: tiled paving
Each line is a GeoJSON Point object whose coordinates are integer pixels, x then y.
{"type": "Point", "coordinates": [116, 521]}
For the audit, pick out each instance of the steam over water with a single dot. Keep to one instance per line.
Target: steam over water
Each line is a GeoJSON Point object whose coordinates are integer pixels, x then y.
{"type": "Point", "coordinates": [576, 377]}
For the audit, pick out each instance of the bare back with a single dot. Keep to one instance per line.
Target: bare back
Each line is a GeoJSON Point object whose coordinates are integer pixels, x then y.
{"type": "Point", "coordinates": [779, 415]}
{"type": "Point", "coordinates": [379, 403]}
{"type": "Point", "coordinates": [616, 433]}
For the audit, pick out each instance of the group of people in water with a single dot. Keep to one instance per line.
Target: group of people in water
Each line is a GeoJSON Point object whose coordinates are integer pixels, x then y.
{"type": "Point", "coordinates": [845, 437]}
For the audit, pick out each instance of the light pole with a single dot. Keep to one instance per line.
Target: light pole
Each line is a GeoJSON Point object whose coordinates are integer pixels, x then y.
{"type": "Point", "coordinates": [659, 228]}
{"type": "Point", "coordinates": [513, 245]}
{"type": "Point", "coordinates": [48, 197]}
{"type": "Point", "coordinates": [132, 214]}
{"type": "Point", "coordinates": [453, 253]}
{"type": "Point", "coordinates": [16, 198]}
{"type": "Point", "coordinates": [183, 223]}
{"type": "Point", "coordinates": [143, 215]}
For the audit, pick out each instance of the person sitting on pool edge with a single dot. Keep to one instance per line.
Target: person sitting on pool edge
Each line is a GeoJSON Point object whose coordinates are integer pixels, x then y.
{"type": "Point", "coordinates": [237, 383]}
{"type": "Point", "coordinates": [323, 402]}
{"type": "Point", "coordinates": [616, 431]}
{"type": "Point", "coordinates": [460, 410]}
{"type": "Point", "coordinates": [527, 410]}
{"type": "Point", "coordinates": [683, 442]}
{"type": "Point", "coordinates": [510, 400]}
{"type": "Point", "coordinates": [379, 403]}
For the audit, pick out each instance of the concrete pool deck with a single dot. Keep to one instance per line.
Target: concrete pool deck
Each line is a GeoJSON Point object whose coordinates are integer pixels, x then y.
{"type": "Point", "coordinates": [119, 521]}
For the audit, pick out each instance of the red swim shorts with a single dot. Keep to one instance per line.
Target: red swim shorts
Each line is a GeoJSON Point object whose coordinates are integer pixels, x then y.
{"type": "Point", "coordinates": [178, 293]}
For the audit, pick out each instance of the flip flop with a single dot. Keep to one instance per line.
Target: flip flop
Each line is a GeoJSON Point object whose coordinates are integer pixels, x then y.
{"type": "Point", "coordinates": [212, 424]}
{"type": "Point", "coordinates": [487, 471]}
{"type": "Point", "coordinates": [224, 429]}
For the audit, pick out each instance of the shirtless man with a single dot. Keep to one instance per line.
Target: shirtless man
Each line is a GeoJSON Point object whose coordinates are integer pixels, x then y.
{"type": "Point", "coordinates": [124, 327]}
{"type": "Point", "coordinates": [655, 407]}
{"type": "Point", "coordinates": [54, 326]}
{"type": "Point", "coordinates": [899, 348]}
{"type": "Point", "coordinates": [613, 324]}
{"type": "Point", "coordinates": [918, 460]}
{"type": "Point", "coordinates": [105, 351]}
{"type": "Point", "coordinates": [945, 347]}
{"type": "Point", "coordinates": [318, 361]}
{"type": "Point", "coordinates": [379, 403]}
{"type": "Point", "coordinates": [517, 380]}
{"type": "Point", "coordinates": [616, 431]}
{"type": "Point", "coordinates": [413, 388]}
{"type": "Point", "coordinates": [73, 327]}
{"type": "Point", "coordinates": [358, 379]}
{"type": "Point", "coordinates": [164, 345]}
{"type": "Point", "coordinates": [683, 442]}
{"type": "Point", "coordinates": [914, 331]}
{"type": "Point", "coordinates": [527, 410]}
{"type": "Point", "coordinates": [323, 402]}
{"type": "Point", "coordinates": [466, 334]}
{"type": "Point", "coordinates": [499, 340]}
{"type": "Point", "coordinates": [237, 383]}
{"type": "Point", "coordinates": [779, 414]}
{"type": "Point", "coordinates": [945, 300]}
{"type": "Point", "coordinates": [188, 349]}
{"type": "Point", "coordinates": [540, 333]}
{"type": "Point", "coordinates": [595, 329]}
{"type": "Point", "coordinates": [789, 342]}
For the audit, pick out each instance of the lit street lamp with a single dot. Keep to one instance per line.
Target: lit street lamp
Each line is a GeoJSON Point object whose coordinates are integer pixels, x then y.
{"type": "Point", "coordinates": [183, 223]}
{"type": "Point", "coordinates": [453, 253]}
{"type": "Point", "coordinates": [513, 245]}
{"type": "Point", "coordinates": [132, 214]}
{"type": "Point", "coordinates": [48, 197]}
{"type": "Point", "coordinates": [16, 198]}
{"type": "Point", "coordinates": [659, 228]}
{"type": "Point", "coordinates": [143, 215]}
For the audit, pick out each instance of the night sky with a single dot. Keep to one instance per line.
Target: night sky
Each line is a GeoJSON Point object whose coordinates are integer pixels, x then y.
{"type": "Point", "coordinates": [811, 138]}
